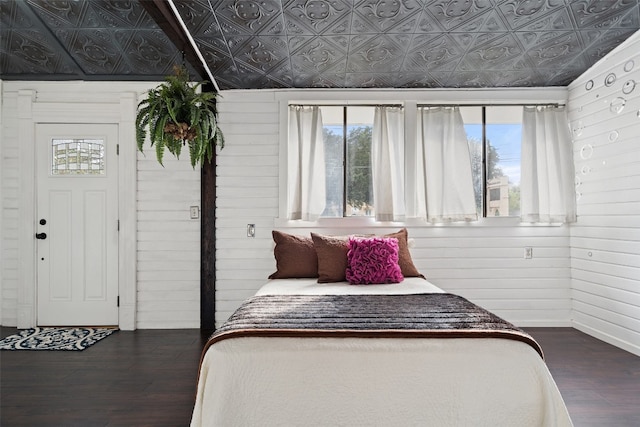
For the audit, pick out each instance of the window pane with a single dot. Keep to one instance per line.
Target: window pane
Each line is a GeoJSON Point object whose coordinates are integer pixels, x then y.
{"type": "Point", "coordinates": [472, 117]}
{"type": "Point", "coordinates": [77, 157]}
{"type": "Point", "coordinates": [504, 134]}
{"type": "Point", "coordinates": [359, 183]}
{"type": "Point", "coordinates": [332, 119]}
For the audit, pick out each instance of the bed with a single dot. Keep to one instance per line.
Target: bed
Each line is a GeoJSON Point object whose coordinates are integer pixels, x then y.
{"type": "Point", "coordinates": [282, 360]}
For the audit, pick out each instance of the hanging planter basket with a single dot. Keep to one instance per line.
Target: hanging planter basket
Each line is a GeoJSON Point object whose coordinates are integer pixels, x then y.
{"type": "Point", "coordinates": [176, 116]}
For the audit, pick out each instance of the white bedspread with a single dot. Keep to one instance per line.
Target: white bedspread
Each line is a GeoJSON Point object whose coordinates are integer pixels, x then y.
{"type": "Point", "coordinates": [410, 285]}
{"type": "Point", "coordinates": [258, 381]}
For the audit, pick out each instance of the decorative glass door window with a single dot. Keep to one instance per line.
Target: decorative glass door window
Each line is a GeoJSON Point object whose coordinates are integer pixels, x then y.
{"type": "Point", "coordinates": [77, 157]}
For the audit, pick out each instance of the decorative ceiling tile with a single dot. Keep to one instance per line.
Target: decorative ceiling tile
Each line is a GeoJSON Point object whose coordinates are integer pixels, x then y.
{"type": "Point", "coordinates": [324, 80]}
{"type": "Point", "coordinates": [31, 54]}
{"type": "Point", "coordinates": [215, 58]}
{"type": "Point", "coordinates": [488, 55]}
{"type": "Point", "coordinates": [524, 14]}
{"type": "Point", "coordinates": [559, 19]}
{"type": "Point", "coordinates": [319, 43]}
{"type": "Point", "coordinates": [557, 76]}
{"type": "Point", "coordinates": [123, 13]}
{"type": "Point", "coordinates": [197, 16]}
{"type": "Point", "coordinates": [387, 16]}
{"type": "Point", "coordinates": [262, 53]}
{"type": "Point", "coordinates": [416, 81]}
{"type": "Point", "coordinates": [439, 54]}
{"type": "Point", "coordinates": [533, 39]}
{"type": "Point", "coordinates": [316, 55]}
{"type": "Point", "coordinates": [214, 42]}
{"type": "Point", "coordinates": [605, 14]}
{"type": "Point", "coordinates": [516, 78]}
{"type": "Point", "coordinates": [247, 16]}
{"type": "Point", "coordinates": [148, 51]}
{"type": "Point", "coordinates": [603, 43]}
{"type": "Point", "coordinates": [316, 16]}
{"type": "Point", "coordinates": [442, 77]}
{"type": "Point", "coordinates": [450, 14]}
{"type": "Point", "coordinates": [491, 21]}
{"type": "Point", "coordinates": [11, 16]}
{"type": "Point", "coordinates": [470, 80]}
{"type": "Point", "coordinates": [93, 49]}
{"type": "Point", "coordinates": [562, 50]}
{"type": "Point", "coordinates": [412, 80]}
{"type": "Point", "coordinates": [368, 80]}
{"type": "Point", "coordinates": [378, 54]}
{"type": "Point", "coordinates": [64, 14]}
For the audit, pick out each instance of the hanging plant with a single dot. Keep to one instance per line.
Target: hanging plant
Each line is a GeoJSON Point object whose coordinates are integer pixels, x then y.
{"type": "Point", "coordinates": [176, 115]}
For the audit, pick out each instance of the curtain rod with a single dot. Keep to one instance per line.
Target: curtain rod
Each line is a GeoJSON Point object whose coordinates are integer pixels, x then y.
{"type": "Point", "coordinates": [546, 104]}
{"type": "Point", "coordinates": [347, 105]}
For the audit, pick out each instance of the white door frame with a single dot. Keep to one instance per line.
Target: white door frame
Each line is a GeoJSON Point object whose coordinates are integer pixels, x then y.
{"type": "Point", "coordinates": [122, 113]}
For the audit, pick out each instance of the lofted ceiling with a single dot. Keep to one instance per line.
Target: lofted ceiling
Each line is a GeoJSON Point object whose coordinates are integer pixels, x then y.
{"type": "Point", "coordinates": [256, 44]}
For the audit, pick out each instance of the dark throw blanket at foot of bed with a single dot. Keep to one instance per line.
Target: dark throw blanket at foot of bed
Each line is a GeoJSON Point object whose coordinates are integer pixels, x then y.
{"type": "Point", "coordinates": [367, 316]}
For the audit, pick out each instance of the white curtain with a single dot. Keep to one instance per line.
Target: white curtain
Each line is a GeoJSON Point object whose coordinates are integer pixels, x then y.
{"type": "Point", "coordinates": [547, 192]}
{"type": "Point", "coordinates": [444, 185]}
{"type": "Point", "coordinates": [387, 163]}
{"type": "Point", "coordinates": [306, 167]}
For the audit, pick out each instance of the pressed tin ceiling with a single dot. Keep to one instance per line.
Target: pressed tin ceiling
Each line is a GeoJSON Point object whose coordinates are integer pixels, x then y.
{"type": "Point", "coordinates": [255, 44]}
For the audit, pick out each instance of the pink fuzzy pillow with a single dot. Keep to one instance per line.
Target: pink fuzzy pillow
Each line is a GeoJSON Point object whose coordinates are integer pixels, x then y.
{"type": "Point", "coordinates": [373, 260]}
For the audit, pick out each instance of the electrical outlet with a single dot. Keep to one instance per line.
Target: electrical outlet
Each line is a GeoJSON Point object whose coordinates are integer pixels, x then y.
{"type": "Point", "coordinates": [528, 252]}
{"type": "Point", "coordinates": [194, 212]}
{"type": "Point", "coordinates": [251, 230]}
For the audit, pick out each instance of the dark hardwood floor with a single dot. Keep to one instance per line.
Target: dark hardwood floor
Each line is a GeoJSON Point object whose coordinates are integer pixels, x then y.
{"type": "Point", "coordinates": [600, 383]}
{"type": "Point", "coordinates": [148, 378]}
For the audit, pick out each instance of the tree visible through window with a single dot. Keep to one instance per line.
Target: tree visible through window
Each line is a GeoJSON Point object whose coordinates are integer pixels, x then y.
{"type": "Point", "coordinates": [501, 147]}
{"type": "Point", "coordinates": [347, 139]}
{"type": "Point", "coordinates": [494, 137]}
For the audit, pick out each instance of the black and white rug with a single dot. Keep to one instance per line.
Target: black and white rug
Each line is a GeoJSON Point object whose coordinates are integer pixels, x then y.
{"type": "Point", "coordinates": [55, 338]}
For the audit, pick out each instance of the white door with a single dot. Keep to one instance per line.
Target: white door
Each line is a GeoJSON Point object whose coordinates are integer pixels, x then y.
{"type": "Point", "coordinates": [77, 224]}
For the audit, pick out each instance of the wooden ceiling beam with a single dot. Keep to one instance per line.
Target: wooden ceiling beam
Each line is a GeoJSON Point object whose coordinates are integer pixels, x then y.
{"type": "Point", "coordinates": [164, 17]}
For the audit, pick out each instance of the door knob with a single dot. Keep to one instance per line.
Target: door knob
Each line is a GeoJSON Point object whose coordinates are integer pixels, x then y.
{"type": "Point", "coordinates": [41, 236]}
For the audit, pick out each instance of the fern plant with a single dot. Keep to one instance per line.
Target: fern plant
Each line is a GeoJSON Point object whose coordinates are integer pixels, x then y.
{"type": "Point", "coordinates": [177, 115]}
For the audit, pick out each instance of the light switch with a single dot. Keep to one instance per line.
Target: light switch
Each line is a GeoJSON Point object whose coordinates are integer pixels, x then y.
{"type": "Point", "coordinates": [194, 212]}
{"type": "Point", "coordinates": [251, 230]}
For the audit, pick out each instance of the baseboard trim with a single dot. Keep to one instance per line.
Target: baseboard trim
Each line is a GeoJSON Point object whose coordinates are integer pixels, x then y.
{"type": "Point", "coordinates": [544, 324]}
{"type": "Point", "coordinates": [631, 348]}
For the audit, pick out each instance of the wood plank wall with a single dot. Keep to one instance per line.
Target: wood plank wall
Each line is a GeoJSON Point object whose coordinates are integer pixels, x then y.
{"type": "Point", "coordinates": [605, 241]}
{"type": "Point", "coordinates": [168, 241]}
{"type": "Point", "coordinates": [9, 173]}
{"type": "Point", "coordinates": [482, 262]}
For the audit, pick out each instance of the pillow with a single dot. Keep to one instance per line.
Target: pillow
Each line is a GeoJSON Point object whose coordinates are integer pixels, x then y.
{"type": "Point", "coordinates": [373, 260]}
{"type": "Point", "coordinates": [331, 257]}
{"type": "Point", "coordinates": [295, 256]}
{"type": "Point", "coordinates": [404, 256]}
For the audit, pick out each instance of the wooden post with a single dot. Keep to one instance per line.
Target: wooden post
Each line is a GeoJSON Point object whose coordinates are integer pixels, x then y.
{"type": "Point", "coordinates": [208, 246]}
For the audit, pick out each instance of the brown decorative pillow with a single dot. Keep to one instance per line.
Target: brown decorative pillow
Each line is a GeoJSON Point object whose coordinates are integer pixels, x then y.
{"type": "Point", "coordinates": [404, 256]}
{"type": "Point", "coordinates": [332, 257]}
{"type": "Point", "coordinates": [295, 256]}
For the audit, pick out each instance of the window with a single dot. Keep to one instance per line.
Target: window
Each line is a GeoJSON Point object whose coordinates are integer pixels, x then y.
{"type": "Point", "coordinates": [77, 157]}
{"type": "Point", "coordinates": [494, 134]}
{"type": "Point", "coordinates": [347, 143]}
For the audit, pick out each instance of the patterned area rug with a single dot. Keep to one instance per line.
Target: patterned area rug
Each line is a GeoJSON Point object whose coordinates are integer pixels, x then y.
{"type": "Point", "coordinates": [55, 338]}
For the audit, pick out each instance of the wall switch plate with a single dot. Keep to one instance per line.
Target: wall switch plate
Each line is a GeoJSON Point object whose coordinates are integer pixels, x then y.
{"type": "Point", "coordinates": [528, 252]}
{"type": "Point", "coordinates": [251, 230]}
{"type": "Point", "coordinates": [194, 212]}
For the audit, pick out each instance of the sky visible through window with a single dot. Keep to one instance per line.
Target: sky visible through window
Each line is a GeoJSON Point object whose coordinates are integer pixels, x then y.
{"type": "Point", "coordinates": [503, 137]}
